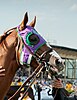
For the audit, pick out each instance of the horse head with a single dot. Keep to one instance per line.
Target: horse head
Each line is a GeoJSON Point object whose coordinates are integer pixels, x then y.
{"type": "Point", "coordinates": [35, 47]}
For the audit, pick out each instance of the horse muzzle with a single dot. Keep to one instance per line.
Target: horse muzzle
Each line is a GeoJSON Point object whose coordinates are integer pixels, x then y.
{"type": "Point", "coordinates": [58, 63]}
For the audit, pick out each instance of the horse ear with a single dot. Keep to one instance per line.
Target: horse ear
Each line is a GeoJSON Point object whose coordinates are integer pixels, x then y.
{"type": "Point", "coordinates": [24, 22]}
{"type": "Point", "coordinates": [32, 24]}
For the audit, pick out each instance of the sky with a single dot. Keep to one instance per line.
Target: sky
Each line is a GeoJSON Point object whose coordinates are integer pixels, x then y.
{"type": "Point", "coordinates": [56, 19]}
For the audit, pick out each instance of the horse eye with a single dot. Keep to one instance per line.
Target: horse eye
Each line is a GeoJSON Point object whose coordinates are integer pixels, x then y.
{"type": "Point", "coordinates": [33, 39]}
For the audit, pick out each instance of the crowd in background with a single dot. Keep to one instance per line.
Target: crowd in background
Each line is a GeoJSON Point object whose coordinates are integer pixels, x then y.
{"type": "Point", "coordinates": [21, 76]}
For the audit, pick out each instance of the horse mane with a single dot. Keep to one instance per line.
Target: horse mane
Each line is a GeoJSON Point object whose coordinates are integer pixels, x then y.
{"type": "Point", "coordinates": [2, 37]}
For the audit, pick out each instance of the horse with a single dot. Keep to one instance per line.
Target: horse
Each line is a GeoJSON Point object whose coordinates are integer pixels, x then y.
{"type": "Point", "coordinates": [24, 46]}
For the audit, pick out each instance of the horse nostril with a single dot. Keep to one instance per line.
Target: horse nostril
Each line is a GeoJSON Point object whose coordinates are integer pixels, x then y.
{"type": "Point", "coordinates": [64, 62]}
{"type": "Point", "coordinates": [57, 62]}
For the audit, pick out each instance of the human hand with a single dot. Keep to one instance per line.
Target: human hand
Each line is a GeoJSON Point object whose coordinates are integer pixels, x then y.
{"type": "Point", "coordinates": [57, 83]}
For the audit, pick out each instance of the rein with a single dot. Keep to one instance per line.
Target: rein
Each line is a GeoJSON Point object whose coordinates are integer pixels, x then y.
{"type": "Point", "coordinates": [25, 93]}
{"type": "Point", "coordinates": [28, 79]}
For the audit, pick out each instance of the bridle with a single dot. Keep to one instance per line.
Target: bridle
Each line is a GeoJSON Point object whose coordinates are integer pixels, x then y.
{"type": "Point", "coordinates": [42, 63]}
{"type": "Point", "coordinates": [33, 75]}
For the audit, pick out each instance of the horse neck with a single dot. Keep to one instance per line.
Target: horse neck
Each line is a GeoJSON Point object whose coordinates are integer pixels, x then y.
{"type": "Point", "coordinates": [8, 61]}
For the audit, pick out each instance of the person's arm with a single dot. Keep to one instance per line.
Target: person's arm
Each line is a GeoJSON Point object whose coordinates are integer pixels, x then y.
{"type": "Point", "coordinates": [2, 71]}
{"type": "Point", "coordinates": [57, 83]}
{"type": "Point", "coordinates": [58, 91]}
